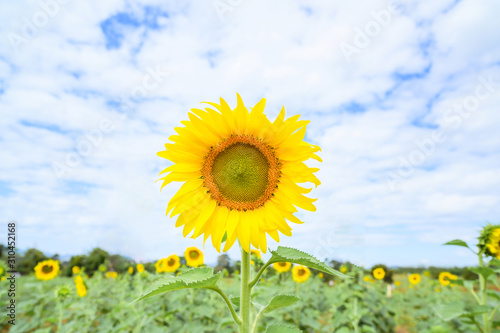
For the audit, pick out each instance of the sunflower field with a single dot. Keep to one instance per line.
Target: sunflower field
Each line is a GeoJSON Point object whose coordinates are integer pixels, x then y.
{"type": "Point", "coordinates": [302, 300]}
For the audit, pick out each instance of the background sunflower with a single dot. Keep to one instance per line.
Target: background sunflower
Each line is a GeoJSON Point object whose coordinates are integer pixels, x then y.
{"type": "Point", "coordinates": [300, 273]}
{"type": "Point", "coordinates": [47, 269]}
{"type": "Point", "coordinates": [194, 257]}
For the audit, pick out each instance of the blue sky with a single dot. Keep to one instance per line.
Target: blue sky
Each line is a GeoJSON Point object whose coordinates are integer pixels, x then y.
{"type": "Point", "coordinates": [403, 98]}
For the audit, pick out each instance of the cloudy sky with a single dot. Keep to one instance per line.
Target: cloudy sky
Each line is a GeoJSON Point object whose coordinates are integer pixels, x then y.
{"type": "Point", "coordinates": [403, 99]}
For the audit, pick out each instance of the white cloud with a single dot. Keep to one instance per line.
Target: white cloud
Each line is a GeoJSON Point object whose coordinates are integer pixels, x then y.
{"type": "Point", "coordinates": [366, 115]}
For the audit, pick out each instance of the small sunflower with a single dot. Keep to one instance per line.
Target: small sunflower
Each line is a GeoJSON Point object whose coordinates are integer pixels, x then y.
{"type": "Point", "coordinates": [252, 263]}
{"type": "Point", "coordinates": [170, 264]}
{"type": "Point", "coordinates": [2, 278]}
{"type": "Point", "coordinates": [112, 275]}
{"type": "Point", "coordinates": [397, 283]}
{"type": "Point", "coordinates": [343, 269]}
{"type": "Point", "coordinates": [320, 275]}
{"type": "Point", "coordinates": [81, 290]}
{"type": "Point", "coordinates": [427, 273]}
{"type": "Point", "coordinates": [131, 270]}
{"type": "Point", "coordinates": [240, 173]}
{"type": "Point", "coordinates": [414, 278]}
{"type": "Point", "coordinates": [378, 273]}
{"type": "Point", "coordinates": [47, 269]}
{"type": "Point", "coordinates": [367, 279]}
{"type": "Point", "coordinates": [446, 277]}
{"type": "Point", "coordinates": [282, 267]}
{"type": "Point", "coordinates": [300, 274]}
{"type": "Point", "coordinates": [256, 253]}
{"type": "Point", "coordinates": [194, 257]}
{"type": "Point", "coordinates": [75, 270]}
{"type": "Point", "coordinates": [140, 268]}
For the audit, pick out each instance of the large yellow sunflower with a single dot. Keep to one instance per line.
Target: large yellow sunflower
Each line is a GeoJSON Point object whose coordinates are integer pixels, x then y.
{"type": "Point", "coordinates": [240, 174]}
{"type": "Point", "coordinates": [445, 277]}
{"type": "Point", "coordinates": [194, 257]}
{"type": "Point", "coordinates": [300, 273]}
{"type": "Point", "coordinates": [170, 264]}
{"type": "Point", "coordinates": [282, 267]}
{"type": "Point", "coordinates": [47, 269]}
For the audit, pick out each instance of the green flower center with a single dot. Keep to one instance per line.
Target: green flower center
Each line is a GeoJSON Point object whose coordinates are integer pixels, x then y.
{"type": "Point", "coordinates": [241, 173]}
{"type": "Point", "coordinates": [47, 269]}
{"type": "Point", "coordinates": [194, 254]}
{"type": "Point", "coordinates": [171, 262]}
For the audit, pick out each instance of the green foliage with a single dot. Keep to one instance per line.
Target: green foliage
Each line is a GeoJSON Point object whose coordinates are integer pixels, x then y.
{"type": "Point", "coordinates": [287, 254]}
{"type": "Point", "coordinates": [201, 277]}
{"type": "Point", "coordinates": [280, 301]}
{"type": "Point", "coordinates": [280, 328]}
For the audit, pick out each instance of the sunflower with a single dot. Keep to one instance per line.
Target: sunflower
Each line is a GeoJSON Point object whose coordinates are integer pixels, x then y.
{"type": "Point", "coordinates": [343, 268]}
{"type": "Point", "coordinates": [445, 277]}
{"type": "Point", "coordinates": [194, 257]}
{"type": "Point", "coordinates": [131, 270]}
{"type": "Point", "coordinates": [140, 268]}
{"type": "Point", "coordinates": [367, 279]}
{"type": "Point", "coordinates": [75, 270]}
{"type": "Point", "coordinates": [112, 275]}
{"type": "Point", "coordinates": [256, 253]}
{"type": "Point", "coordinates": [378, 273]}
{"type": "Point", "coordinates": [493, 243]}
{"type": "Point", "coordinates": [170, 264]}
{"type": "Point", "coordinates": [81, 289]}
{"type": "Point", "coordinates": [320, 275]}
{"type": "Point", "coordinates": [47, 269]}
{"type": "Point", "coordinates": [240, 174]}
{"type": "Point", "coordinates": [427, 273]}
{"type": "Point", "coordinates": [300, 274]}
{"type": "Point", "coordinates": [282, 267]}
{"type": "Point", "coordinates": [397, 283]}
{"type": "Point", "coordinates": [414, 278]}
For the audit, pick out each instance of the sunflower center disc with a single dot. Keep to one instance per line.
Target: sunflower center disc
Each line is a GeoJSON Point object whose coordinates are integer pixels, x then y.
{"type": "Point", "coordinates": [241, 172]}
{"type": "Point", "coordinates": [194, 255]}
{"type": "Point", "coordinates": [171, 262]}
{"type": "Point", "coordinates": [301, 272]}
{"type": "Point", "coordinates": [47, 269]}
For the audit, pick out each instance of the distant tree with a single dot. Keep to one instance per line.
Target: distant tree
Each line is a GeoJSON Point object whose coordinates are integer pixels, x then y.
{"type": "Point", "coordinates": [223, 262]}
{"type": "Point", "coordinates": [27, 262]}
{"type": "Point", "coordinates": [79, 260]}
{"type": "Point", "coordinates": [119, 263]}
{"type": "Point", "coordinates": [95, 258]}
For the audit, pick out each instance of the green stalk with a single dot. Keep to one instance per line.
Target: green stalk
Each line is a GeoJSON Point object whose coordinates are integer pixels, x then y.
{"type": "Point", "coordinates": [482, 286]}
{"type": "Point", "coordinates": [246, 291]}
{"type": "Point", "coordinates": [59, 321]}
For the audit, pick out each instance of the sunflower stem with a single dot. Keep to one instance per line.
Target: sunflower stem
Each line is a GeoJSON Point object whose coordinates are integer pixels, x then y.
{"type": "Point", "coordinates": [257, 277]}
{"type": "Point", "coordinates": [482, 286]}
{"type": "Point", "coordinates": [246, 291]}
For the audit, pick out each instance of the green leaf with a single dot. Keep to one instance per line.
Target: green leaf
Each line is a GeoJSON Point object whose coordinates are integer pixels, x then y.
{"type": "Point", "coordinates": [457, 242]}
{"type": "Point", "coordinates": [235, 300]}
{"type": "Point", "coordinates": [201, 277]}
{"type": "Point", "coordinates": [494, 293]}
{"type": "Point", "coordinates": [288, 254]}
{"type": "Point", "coordinates": [484, 271]}
{"type": "Point", "coordinates": [224, 238]}
{"type": "Point", "coordinates": [280, 328]}
{"type": "Point", "coordinates": [477, 309]}
{"type": "Point", "coordinates": [450, 311]}
{"type": "Point", "coordinates": [280, 301]}
{"type": "Point", "coordinates": [494, 262]}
